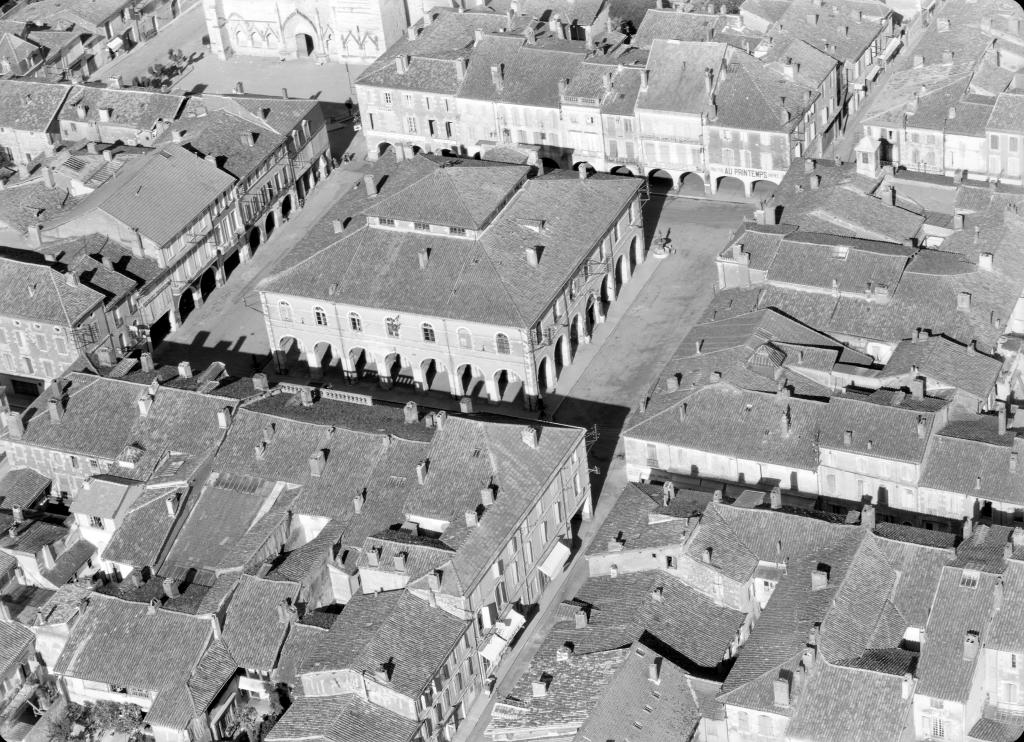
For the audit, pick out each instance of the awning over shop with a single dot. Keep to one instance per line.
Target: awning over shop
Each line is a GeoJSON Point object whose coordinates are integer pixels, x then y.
{"type": "Point", "coordinates": [555, 561]}
{"type": "Point", "coordinates": [493, 648]}
{"type": "Point", "coordinates": [508, 627]}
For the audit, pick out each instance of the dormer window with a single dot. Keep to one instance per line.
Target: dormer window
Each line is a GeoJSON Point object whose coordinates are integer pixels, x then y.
{"type": "Point", "coordinates": [969, 579]}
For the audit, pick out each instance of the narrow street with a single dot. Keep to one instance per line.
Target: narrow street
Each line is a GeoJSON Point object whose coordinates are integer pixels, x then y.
{"type": "Point", "coordinates": [657, 308]}
{"type": "Point", "coordinates": [229, 326]}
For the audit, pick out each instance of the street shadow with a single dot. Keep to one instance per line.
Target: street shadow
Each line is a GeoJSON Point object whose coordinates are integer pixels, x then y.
{"type": "Point", "coordinates": [652, 213]}
{"type": "Point", "coordinates": [198, 88]}
{"type": "Point", "coordinates": [603, 423]}
{"type": "Point", "coordinates": [236, 361]}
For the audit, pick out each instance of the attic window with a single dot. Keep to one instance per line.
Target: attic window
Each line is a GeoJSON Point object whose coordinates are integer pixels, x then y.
{"type": "Point", "coordinates": [638, 725]}
{"type": "Point", "coordinates": [457, 230]}
{"type": "Point", "coordinates": [422, 226]}
{"type": "Point", "coordinates": [384, 222]}
{"type": "Point", "coordinates": [840, 252]}
{"type": "Point", "coordinates": [969, 579]}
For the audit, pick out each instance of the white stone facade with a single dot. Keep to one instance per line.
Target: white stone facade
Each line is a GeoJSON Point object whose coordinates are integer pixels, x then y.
{"type": "Point", "coordinates": [326, 30]}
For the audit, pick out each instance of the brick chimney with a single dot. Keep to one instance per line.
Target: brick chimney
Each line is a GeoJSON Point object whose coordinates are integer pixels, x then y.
{"type": "Point", "coordinates": [780, 691]}
{"type": "Point", "coordinates": [15, 426]}
{"type": "Point", "coordinates": [56, 409]}
{"type": "Point", "coordinates": [971, 644]}
{"type": "Point", "coordinates": [317, 462]}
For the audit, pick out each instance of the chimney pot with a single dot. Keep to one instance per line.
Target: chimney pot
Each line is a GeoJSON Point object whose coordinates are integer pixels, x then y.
{"type": "Point", "coordinates": [780, 689]}
{"type": "Point", "coordinates": [56, 410]}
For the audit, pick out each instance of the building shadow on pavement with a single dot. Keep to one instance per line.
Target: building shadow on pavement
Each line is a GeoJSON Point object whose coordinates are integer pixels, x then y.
{"type": "Point", "coordinates": [229, 352]}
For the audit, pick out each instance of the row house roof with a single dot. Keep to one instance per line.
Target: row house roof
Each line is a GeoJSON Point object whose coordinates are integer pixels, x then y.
{"type": "Point", "coordinates": [678, 76]}
{"type": "Point", "coordinates": [841, 29]}
{"type": "Point", "coordinates": [970, 457]}
{"type": "Point", "coordinates": [755, 97]}
{"type": "Point", "coordinates": [159, 195]}
{"type": "Point", "coordinates": [14, 640]}
{"type": "Point", "coordinates": [35, 291]}
{"type": "Point", "coordinates": [660, 24]}
{"type": "Point", "coordinates": [842, 203]}
{"type": "Point", "coordinates": [505, 69]}
{"type": "Point", "coordinates": [724, 419]}
{"type": "Point", "coordinates": [142, 110]}
{"type": "Point", "coordinates": [30, 106]}
{"type": "Point", "coordinates": [434, 53]}
{"type": "Point", "coordinates": [254, 627]}
{"type": "Point", "coordinates": [393, 628]}
{"type": "Point", "coordinates": [125, 644]}
{"type": "Point", "coordinates": [939, 358]}
{"type": "Point", "coordinates": [942, 290]}
{"type": "Point", "coordinates": [347, 718]}
{"type": "Point", "coordinates": [175, 421]}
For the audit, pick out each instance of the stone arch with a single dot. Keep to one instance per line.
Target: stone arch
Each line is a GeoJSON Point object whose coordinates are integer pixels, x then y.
{"type": "Point", "coordinates": [323, 353]}
{"type": "Point", "coordinates": [186, 304]}
{"type": "Point", "coordinates": [507, 384]}
{"type": "Point", "coordinates": [298, 22]}
{"type": "Point", "coordinates": [691, 183]}
{"type": "Point", "coordinates": [435, 376]}
{"type": "Point", "coordinates": [288, 352]}
{"type": "Point", "coordinates": [208, 282]}
{"type": "Point", "coordinates": [286, 206]}
{"type": "Point", "coordinates": [383, 147]}
{"type": "Point", "coordinates": [397, 368]}
{"type": "Point", "coordinates": [622, 170]}
{"type": "Point", "coordinates": [636, 253]}
{"type": "Point", "coordinates": [549, 164]}
{"type": "Point", "coordinates": [255, 239]}
{"type": "Point", "coordinates": [591, 315]}
{"type": "Point", "coordinates": [361, 364]}
{"type": "Point", "coordinates": [621, 276]}
{"type": "Point", "coordinates": [762, 188]}
{"type": "Point", "coordinates": [661, 180]}
{"type": "Point", "coordinates": [730, 183]}
{"type": "Point", "coordinates": [270, 225]}
{"type": "Point", "coordinates": [544, 382]}
{"type": "Point", "coordinates": [562, 358]}
{"type": "Point", "coordinates": [575, 333]}
{"type": "Point", "coordinates": [471, 380]}
{"type": "Point", "coordinates": [606, 295]}
{"type": "Point", "coordinates": [583, 164]}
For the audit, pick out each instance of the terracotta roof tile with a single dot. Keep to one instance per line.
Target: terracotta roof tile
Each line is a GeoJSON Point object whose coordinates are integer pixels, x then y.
{"type": "Point", "coordinates": [253, 629]}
